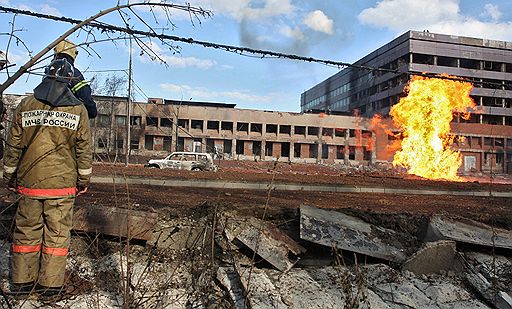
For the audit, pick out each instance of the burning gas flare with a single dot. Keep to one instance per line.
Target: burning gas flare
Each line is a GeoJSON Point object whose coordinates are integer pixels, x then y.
{"type": "Point", "coordinates": [424, 117]}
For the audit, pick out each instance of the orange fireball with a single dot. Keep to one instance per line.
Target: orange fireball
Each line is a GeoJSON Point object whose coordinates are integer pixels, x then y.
{"type": "Point", "coordinates": [424, 116]}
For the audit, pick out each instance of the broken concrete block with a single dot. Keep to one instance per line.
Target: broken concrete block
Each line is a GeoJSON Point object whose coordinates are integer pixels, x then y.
{"type": "Point", "coordinates": [181, 234]}
{"type": "Point", "coordinates": [468, 231]}
{"type": "Point", "coordinates": [332, 228]}
{"type": "Point", "coordinates": [404, 294]}
{"type": "Point", "coordinates": [230, 280]}
{"type": "Point", "coordinates": [114, 221]}
{"type": "Point", "coordinates": [263, 238]}
{"type": "Point", "coordinates": [500, 299]}
{"type": "Point", "coordinates": [432, 258]}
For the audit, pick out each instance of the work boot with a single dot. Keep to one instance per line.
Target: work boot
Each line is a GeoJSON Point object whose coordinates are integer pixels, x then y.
{"type": "Point", "coordinates": [22, 288]}
{"type": "Point", "coordinates": [45, 291]}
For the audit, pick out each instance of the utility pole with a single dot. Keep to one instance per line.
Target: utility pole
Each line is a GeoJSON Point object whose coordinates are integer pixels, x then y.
{"type": "Point", "coordinates": [128, 106]}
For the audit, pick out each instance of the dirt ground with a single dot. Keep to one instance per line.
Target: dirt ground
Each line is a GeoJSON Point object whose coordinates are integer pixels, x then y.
{"type": "Point", "coordinates": [250, 171]}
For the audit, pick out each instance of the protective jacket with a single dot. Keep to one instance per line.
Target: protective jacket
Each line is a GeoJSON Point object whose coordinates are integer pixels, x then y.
{"type": "Point", "coordinates": [49, 147]}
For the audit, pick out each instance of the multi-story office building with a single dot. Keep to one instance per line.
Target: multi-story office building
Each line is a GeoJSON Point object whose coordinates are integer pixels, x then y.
{"type": "Point", "coordinates": [487, 63]}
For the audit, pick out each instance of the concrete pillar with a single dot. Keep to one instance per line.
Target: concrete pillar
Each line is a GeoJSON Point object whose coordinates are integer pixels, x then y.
{"type": "Point", "coordinates": [292, 149]}
{"type": "Point", "coordinates": [233, 148]}
{"type": "Point", "coordinates": [263, 146]}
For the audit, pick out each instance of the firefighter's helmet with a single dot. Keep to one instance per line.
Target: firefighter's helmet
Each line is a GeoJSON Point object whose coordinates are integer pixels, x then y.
{"type": "Point", "coordinates": [61, 70]}
{"type": "Point", "coordinates": [66, 47]}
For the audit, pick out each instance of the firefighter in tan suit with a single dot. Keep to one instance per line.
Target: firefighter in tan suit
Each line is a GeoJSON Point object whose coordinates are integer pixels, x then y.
{"type": "Point", "coordinates": [48, 161]}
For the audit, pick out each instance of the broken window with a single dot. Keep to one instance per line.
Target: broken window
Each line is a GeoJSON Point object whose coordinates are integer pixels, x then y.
{"type": "Point", "coordinates": [149, 142]}
{"type": "Point", "coordinates": [492, 119]}
{"type": "Point", "coordinates": [242, 127]}
{"type": "Point", "coordinates": [351, 153]}
{"type": "Point", "coordinates": [183, 123]}
{"type": "Point", "coordinates": [210, 145]}
{"type": "Point", "coordinates": [167, 143]}
{"type": "Point", "coordinates": [257, 128]}
{"type": "Point", "coordinates": [226, 126]}
{"type": "Point", "coordinates": [256, 148]}
{"type": "Point", "coordinates": [197, 124]}
{"type": "Point", "coordinates": [340, 152]}
{"type": "Point", "coordinates": [120, 120]}
{"type": "Point", "coordinates": [313, 151]}
{"type": "Point", "coordinates": [488, 141]}
{"type": "Point", "coordinates": [422, 59]}
{"type": "Point", "coordinates": [327, 131]}
{"type": "Point", "coordinates": [269, 149]}
{"type": "Point", "coordinates": [508, 67]}
{"type": "Point", "coordinates": [338, 132]}
{"type": "Point", "coordinates": [492, 66]}
{"type": "Point", "coordinates": [152, 121]}
{"type": "Point", "coordinates": [352, 133]}
{"type": "Point", "coordinates": [325, 151]}
{"type": "Point", "coordinates": [271, 128]}
{"type": "Point", "coordinates": [366, 134]}
{"type": "Point", "coordinates": [135, 120]}
{"type": "Point", "coordinates": [240, 147]}
{"type": "Point", "coordinates": [300, 130]}
{"type": "Point", "coordinates": [447, 61]}
{"type": "Point", "coordinates": [227, 146]}
{"type": "Point", "coordinates": [181, 144]}
{"type": "Point", "coordinates": [102, 143]}
{"type": "Point", "coordinates": [212, 125]}
{"type": "Point", "coordinates": [508, 121]}
{"type": "Point", "coordinates": [367, 154]}
{"type": "Point", "coordinates": [285, 129]}
{"type": "Point", "coordinates": [134, 144]}
{"type": "Point", "coordinates": [166, 122]}
{"type": "Point", "coordinates": [313, 131]}
{"type": "Point", "coordinates": [499, 158]}
{"type": "Point", "coordinates": [285, 150]}
{"type": "Point", "coordinates": [103, 120]}
{"type": "Point", "coordinates": [499, 142]}
{"type": "Point", "coordinates": [119, 143]}
{"type": "Point", "coordinates": [296, 150]}
{"type": "Point", "coordinates": [469, 64]}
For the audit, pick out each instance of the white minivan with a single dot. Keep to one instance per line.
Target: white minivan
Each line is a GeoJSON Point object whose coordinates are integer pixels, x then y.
{"type": "Point", "coordinates": [192, 161]}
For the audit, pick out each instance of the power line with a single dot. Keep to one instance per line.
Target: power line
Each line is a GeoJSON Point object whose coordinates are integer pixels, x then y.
{"type": "Point", "coordinates": [229, 48]}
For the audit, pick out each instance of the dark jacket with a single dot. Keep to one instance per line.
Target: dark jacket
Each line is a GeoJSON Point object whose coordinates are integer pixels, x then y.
{"type": "Point", "coordinates": [81, 89]}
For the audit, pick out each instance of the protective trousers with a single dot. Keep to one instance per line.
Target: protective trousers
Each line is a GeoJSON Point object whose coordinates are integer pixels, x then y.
{"type": "Point", "coordinates": [41, 240]}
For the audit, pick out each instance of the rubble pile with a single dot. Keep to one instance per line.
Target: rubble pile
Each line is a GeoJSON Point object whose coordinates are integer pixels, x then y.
{"type": "Point", "coordinates": [216, 257]}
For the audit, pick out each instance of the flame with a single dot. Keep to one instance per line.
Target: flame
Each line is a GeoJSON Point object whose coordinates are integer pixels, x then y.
{"type": "Point", "coordinates": [424, 117]}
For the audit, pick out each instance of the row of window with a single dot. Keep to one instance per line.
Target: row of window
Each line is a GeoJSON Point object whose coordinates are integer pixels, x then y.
{"type": "Point", "coordinates": [242, 127]}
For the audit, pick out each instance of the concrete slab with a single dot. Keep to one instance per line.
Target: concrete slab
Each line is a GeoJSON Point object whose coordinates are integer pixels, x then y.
{"type": "Point", "coordinates": [432, 258]}
{"type": "Point", "coordinates": [181, 234]}
{"type": "Point", "coordinates": [500, 299]}
{"type": "Point", "coordinates": [332, 228]}
{"type": "Point", "coordinates": [468, 231]}
{"type": "Point", "coordinates": [228, 277]}
{"type": "Point", "coordinates": [263, 238]}
{"type": "Point", "coordinates": [114, 221]}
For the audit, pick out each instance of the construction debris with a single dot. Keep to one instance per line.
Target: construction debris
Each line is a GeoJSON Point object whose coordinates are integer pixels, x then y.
{"type": "Point", "coordinates": [332, 228]}
{"type": "Point", "coordinates": [491, 276]}
{"type": "Point", "coordinates": [468, 231]}
{"type": "Point", "coordinates": [263, 238]}
{"type": "Point", "coordinates": [181, 234]}
{"type": "Point", "coordinates": [433, 258]}
{"type": "Point", "coordinates": [114, 221]}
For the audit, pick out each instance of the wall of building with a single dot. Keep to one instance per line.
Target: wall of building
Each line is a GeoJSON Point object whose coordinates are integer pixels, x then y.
{"type": "Point", "coordinates": [243, 134]}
